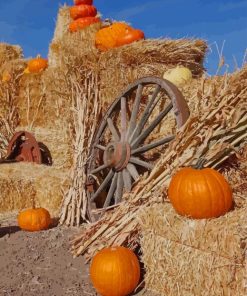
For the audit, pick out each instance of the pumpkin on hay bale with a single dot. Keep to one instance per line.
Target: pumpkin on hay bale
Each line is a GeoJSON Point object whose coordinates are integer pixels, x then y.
{"type": "Point", "coordinates": [200, 193]}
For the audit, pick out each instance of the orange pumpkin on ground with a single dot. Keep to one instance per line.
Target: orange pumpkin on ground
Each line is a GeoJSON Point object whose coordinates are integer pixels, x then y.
{"type": "Point", "coordinates": [34, 219]}
{"type": "Point", "coordinates": [115, 271]}
{"type": "Point", "coordinates": [200, 193]}
{"type": "Point", "coordinates": [111, 37]}
{"type": "Point", "coordinates": [36, 65]}
{"type": "Point", "coordinates": [82, 23]}
{"type": "Point", "coordinates": [87, 2]}
{"type": "Point", "coordinates": [79, 11]}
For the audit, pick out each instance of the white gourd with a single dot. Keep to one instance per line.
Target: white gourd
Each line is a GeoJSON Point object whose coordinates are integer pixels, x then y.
{"type": "Point", "coordinates": [178, 76]}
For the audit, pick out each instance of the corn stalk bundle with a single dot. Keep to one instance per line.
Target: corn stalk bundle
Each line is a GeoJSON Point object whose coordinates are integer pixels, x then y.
{"type": "Point", "coordinates": [86, 110]}
{"type": "Point", "coordinates": [217, 130]}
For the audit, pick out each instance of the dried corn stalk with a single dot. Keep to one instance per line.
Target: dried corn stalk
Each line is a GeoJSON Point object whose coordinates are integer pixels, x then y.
{"type": "Point", "coordinates": [216, 131]}
{"type": "Point", "coordinates": [86, 110]}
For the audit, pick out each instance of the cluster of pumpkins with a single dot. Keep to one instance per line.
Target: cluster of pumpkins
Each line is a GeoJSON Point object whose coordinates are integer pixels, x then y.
{"type": "Point", "coordinates": [197, 193]}
{"type": "Point", "coordinates": [117, 34]}
{"type": "Point", "coordinates": [83, 14]}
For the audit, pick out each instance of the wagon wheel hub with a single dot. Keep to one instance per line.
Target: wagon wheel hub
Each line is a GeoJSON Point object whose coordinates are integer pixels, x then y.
{"type": "Point", "coordinates": [117, 155]}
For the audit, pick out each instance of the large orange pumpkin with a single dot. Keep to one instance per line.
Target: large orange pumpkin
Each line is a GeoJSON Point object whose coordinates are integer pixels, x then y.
{"type": "Point", "coordinates": [87, 2]}
{"type": "Point", "coordinates": [82, 23]}
{"type": "Point", "coordinates": [200, 193]}
{"type": "Point", "coordinates": [79, 11]}
{"type": "Point", "coordinates": [34, 219]}
{"type": "Point", "coordinates": [113, 36]}
{"type": "Point", "coordinates": [36, 65]}
{"type": "Point", "coordinates": [115, 271]}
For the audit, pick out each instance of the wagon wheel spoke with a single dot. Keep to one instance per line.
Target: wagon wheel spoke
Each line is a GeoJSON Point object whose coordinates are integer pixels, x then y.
{"type": "Point", "coordinates": [147, 112]}
{"type": "Point", "coordinates": [151, 127]}
{"type": "Point", "coordinates": [140, 162]}
{"type": "Point", "coordinates": [119, 190]}
{"type": "Point", "coordinates": [148, 147]}
{"type": "Point", "coordinates": [103, 185]}
{"type": "Point", "coordinates": [113, 129]}
{"type": "Point", "coordinates": [123, 118]}
{"type": "Point", "coordinates": [100, 147]}
{"type": "Point", "coordinates": [133, 171]}
{"type": "Point", "coordinates": [111, 191]}
{"type": "Point", "coordinates": [100, 168]}
{"type": "Point", "coordinates": [127, 180]}
{"type": "Point", "coordinates": [135, 110]}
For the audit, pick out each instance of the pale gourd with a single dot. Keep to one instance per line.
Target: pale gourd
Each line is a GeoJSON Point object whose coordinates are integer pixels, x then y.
{"type": "Point", "coordinates": [178, 76]}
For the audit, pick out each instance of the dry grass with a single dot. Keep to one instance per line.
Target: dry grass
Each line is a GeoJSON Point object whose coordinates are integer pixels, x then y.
{"type": "Point", "coordinates": [9, 52]}
{"type": "Point", "coordinates": [86, 112]}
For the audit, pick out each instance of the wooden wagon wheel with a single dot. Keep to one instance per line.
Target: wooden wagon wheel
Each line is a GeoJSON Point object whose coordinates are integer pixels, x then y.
{"type": "Point", "coordinates": [116, 155]}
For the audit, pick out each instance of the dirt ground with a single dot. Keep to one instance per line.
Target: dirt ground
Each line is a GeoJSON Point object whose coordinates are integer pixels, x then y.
{"type": "Point", "coordinates": [39, 263]}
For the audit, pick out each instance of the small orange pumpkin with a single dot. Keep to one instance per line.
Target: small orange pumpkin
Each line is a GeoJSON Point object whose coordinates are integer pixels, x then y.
{"type": "Point", "coordinates": [82, 23]}
{"type": "Point", "coordinates": [36, 65]}
{"type": "Point", "coordinates": [34, 219]}
{"type": "Point", "coordinates": [130, 36]}
{"type": "Point", "coordinates": [115, 271]}
{"type": "Point", "coordinates": [200, 193]}
{"type": "Point", "coordinates": [79, 11]}
{"type": "Point", "coordinates": [87, 2]}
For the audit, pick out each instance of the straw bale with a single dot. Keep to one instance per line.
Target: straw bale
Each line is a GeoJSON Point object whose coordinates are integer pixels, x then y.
{"type": "Point", "coordinates": [9, 93]}
{"type": "Point", "coordinates": [44, 109]}
{"type": "Point", "coordinates": [22, 182]}
{"type": "Point", "coordinates": [70, 49]}
{"type": "Point", "coordinates": [121, 66]}
{"type": "Point", "coordinates": [194, 257]}
{"type": "Point", "coordinates": [9, 52]}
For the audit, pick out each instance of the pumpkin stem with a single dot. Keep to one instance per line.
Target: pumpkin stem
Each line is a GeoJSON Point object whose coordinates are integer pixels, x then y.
{"type": "Point", "coordinates": [200, 164]}
{"type": "Point", "coordinates": [33, 202]}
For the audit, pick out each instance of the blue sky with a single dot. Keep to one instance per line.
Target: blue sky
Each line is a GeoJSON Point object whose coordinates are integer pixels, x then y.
{"type": "Point", "coordinates": [30, 23]}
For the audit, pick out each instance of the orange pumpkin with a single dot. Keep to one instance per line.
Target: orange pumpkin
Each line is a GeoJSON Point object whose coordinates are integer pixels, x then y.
{"type": "Point", "coordinates": [79, 11]}
{"type": "Point", "coordinates": [200, 193]}
{"type": "Point", "coordinates": [82, 23]}
{"type": "Point", "coordinates": [115, 271]}
{"type": "Point", "coordinates": [36, 65]}
{"type": "Point", "coordinates": [129, 37]}
{"type": "Point", "coordinates": [87, 2]}
{"type": "Point", "coordinates": [34, 219]}
{"type": "Point", "coordinates": [115, 35]}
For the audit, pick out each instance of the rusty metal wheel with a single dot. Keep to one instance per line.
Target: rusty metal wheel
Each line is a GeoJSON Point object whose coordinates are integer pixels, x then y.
{"type": "Point", "coordinates": [128, 139]}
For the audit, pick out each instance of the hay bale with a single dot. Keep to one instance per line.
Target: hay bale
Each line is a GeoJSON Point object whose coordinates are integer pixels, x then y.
{"type": "Point", "coordinates": [121, 66]}
{"type": "Point", "coordinates": [23, 182]}
{"type": "Point", "coordinates": [71, 49]}
{"type": "Point", "coordinates": [9, 52]}
{"type": "Point", "coordinates": [194, 257]}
